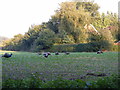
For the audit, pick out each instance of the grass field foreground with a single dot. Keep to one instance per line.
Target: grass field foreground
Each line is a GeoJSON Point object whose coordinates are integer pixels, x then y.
{"type": "Point", "coordinates": [73, 66]}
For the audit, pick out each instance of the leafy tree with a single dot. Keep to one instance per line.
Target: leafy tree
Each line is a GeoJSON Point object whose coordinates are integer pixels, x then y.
{"type": "Point", "coordinates": [45, 40]}
{"type": "Point", "coordinates": [14, 43]}
{"type": "Point", "coordinates": [90, 7]}
{"type": "Point", "coordinates": [53, 24]}
{"type": "Point", "coordinates": [103, 40]}
{"type": "Point", "coordinates": [31, 36]}
{"type": "Point", "coordinates": [72, 20]}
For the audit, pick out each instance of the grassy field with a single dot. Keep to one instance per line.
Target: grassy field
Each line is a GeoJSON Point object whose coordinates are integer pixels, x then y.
{"type": "Point", "coordinates": [73, 66]}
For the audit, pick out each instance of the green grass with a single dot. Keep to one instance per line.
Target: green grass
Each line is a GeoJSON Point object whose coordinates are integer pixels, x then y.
{"type": "Point", "coordinates": [22, 64]}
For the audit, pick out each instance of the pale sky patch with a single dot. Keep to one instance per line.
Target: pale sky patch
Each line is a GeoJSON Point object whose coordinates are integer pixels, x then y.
{"type": "Point", "coordinates": [16, 16]}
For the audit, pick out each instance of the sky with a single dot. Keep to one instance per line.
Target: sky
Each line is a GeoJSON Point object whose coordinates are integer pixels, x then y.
{"type": "Point", "coordinates": [16, 16]}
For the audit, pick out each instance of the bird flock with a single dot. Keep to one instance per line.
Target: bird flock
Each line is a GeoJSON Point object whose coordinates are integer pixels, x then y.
{"type": "Point", "coordinates": [45, 54]}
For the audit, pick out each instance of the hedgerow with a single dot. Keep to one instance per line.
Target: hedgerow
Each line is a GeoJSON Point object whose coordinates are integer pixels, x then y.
{"type": "Point", "coordinates": [35, 82]}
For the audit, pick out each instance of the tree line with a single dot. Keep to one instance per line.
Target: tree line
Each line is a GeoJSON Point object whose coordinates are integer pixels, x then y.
{"type": "Point", "coordinates": [73, 23]}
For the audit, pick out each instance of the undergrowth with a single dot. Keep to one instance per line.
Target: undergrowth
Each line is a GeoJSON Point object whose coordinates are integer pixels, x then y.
{"type": "Point", "coordinates": [35, 82]}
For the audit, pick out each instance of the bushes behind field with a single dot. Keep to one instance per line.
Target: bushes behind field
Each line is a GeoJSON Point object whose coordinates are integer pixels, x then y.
{"type": "Point", "coordinates": [116, 48]}
{"type": "Point", "coordinates": [71, 48]}
{"type": "Point", "coordinates": [83, 47]}
{"type": "Point", "coordinates": [63, 48]}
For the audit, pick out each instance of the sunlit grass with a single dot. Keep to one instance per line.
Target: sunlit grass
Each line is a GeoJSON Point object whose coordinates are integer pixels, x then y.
{"type": "Point", "coordinates": [75, 65]}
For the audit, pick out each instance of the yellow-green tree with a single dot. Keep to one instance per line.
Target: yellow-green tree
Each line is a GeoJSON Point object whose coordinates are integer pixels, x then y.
{"type": "Point", "coordinates": [71, 19]}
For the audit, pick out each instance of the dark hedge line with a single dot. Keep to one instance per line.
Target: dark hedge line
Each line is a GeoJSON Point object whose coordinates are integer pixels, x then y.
{"type": "Point", "coordinates": [83, 47]}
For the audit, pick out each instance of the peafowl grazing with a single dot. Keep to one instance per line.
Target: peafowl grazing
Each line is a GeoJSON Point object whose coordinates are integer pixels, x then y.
{"type": "Point", "coordinates": [99, 52]}
{"type": "Point", "coordinates": [6, 55]}
{"type": "Point", "coordinates": [67, 53]}
{"type": "Point", "coordinates": [48, 53]}
{"type": "Point", "coordinates": [45, 55]}
{"type": "Point", "coordinates": [56, 53]}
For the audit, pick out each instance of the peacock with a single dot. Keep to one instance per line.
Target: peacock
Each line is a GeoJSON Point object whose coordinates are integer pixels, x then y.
{"type": "Point", "coordinates": [45, 55]}
{"type": "Point", "coordinates": [67, 53]}
{"type": "Point", "coordinates": [56, 53]}
{"type": "Point", "coordinates": [99, 52]}
{"type": "Point", "coordinates": [6, 55]}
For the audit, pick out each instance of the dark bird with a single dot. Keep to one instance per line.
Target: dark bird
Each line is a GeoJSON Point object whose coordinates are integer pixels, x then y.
{"type": "Point", "coordinates": [99, 52]}
{"type": "Point", "coordinates": [45, 55]}
{"type": "Point", "coordinates": [100, 75]}
{"type": "Point", "coordinates": [6, 55]}
{"type": "Point", "coordinates": [92, 74]}
{"type": "Point", "coordinates": [48, 53]}
{"type": "Point", "coordinates": [67, 53]}
{"type": "Point", "coordinates": [56, 53]}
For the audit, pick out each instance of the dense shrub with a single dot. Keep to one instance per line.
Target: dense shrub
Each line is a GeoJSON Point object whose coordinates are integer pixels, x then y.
{"type": "Point", "coordinates": [60, 83]}
{"type": "Point", "coordinates": [45, 40]}
{"type": "Point", "coordinates": [61, 48]}
{"type": "Point", "coordinates": [83, 47]}
{"type": "Point", "coordinates": [35, 82]}
{"type": "Point", "coordinates": [107, 82]}
{"type": "Point", "coordinates": [116, 48]}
